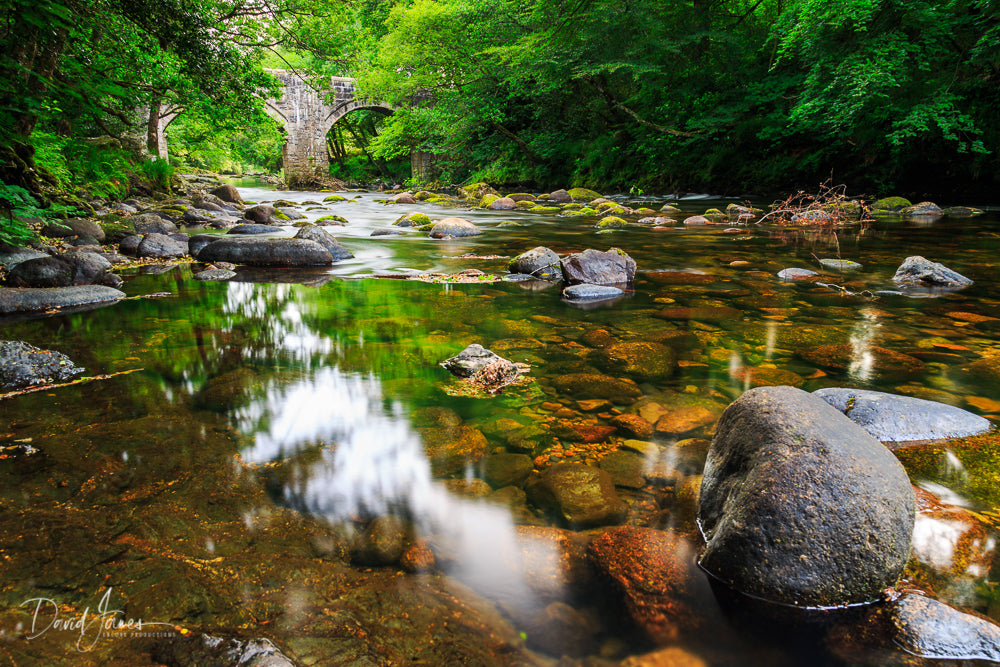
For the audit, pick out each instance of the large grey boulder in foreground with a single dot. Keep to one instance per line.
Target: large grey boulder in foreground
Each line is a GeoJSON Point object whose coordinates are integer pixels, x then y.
{"type": "Point", "coordinates": [893, 418]}
{"type": "Point", "coordinates": [800, 505]}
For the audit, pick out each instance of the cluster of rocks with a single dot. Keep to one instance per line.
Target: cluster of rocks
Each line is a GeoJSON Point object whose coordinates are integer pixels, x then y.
{"type": "Point", "coordinates": [80, 272]}
{"type": "Point", "coordinates": [590, 276]}
{"type": "Point", "coordinates": [922, 211]}
{"type": "Point", "coordinates": [917, 275]}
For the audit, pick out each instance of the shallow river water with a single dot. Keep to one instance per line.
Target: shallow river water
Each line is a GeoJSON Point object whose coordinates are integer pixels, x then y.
{"type": "Point", "coordinates": [252, 430]}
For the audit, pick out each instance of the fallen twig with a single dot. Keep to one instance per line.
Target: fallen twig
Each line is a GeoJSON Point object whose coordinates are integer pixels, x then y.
{"type": "Point", "coordinates": [44, 387]}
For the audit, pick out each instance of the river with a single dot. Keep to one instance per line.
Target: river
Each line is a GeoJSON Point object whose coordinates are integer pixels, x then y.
{"type": "Point", "coordinates": [252, 430]}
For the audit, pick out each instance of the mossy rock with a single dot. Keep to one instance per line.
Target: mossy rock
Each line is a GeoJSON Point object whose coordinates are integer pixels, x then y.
{"type": "Point", "coordinates": [284, 203]}
{"type": "Point", "coordinates": [670, 208]}
{"type": "Point", "coordinates": [644, 211]}
{"type": "Point", "coordinates": [611, 222]}
{"type": "Point", "coordinates": [525, 205]}
{"type": "Point", "coordinates": [962, 211]}
{"type": "Point", "coordinates": [544, 209]}
{"type": "Point", "coordinates": [487, 200]}
{"type": "Point", "coordinates": [607, 206]}
{"type": "Point", "coordinates": [423, 195]}
{"type": "Point", "coordinates": [332, 219]}
{"type": "Point", "coordinates": [846, 209]}
{"type": "Point", "coordinates": [413, 220]}
{"type": "Point", "coordinates": [173, 209]}
{"type": "Point", "coordinates": [317, 208]}
{"type": "Point", "coordinates": [476, 191]}
{"type": "Point", "coordinates": [281, 216]}
{"type": "Point", "coordinates": [583, 194]}
{"type": "Point", "coordinates": [335, 198]}
{"type": "Point", "coordinates": [302, 223]}
{"type": "Point", "coordinates": [714, 214]}
{"type": "Point", "coordinates": [425, 228]}
{"type": "Point", "coordinates": [891, 204]}
{"type": "Point", "coordinates": [580, 213]}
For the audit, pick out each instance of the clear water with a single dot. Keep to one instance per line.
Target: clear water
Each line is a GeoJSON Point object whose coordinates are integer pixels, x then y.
{"type": "Point", "coordinates": [217, 487]}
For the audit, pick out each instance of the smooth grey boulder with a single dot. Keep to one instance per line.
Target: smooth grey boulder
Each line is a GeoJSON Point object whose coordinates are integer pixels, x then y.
{"type": "Point", "coordinates": [151, 223]}
{"type": "Point", "coordinates": [325, 239]}
{"type": "Point", "coordinates": [199, 241]}
{"type": "Point", "coordinates": [291, 213]}
{"type": "Point", "coordinates": [129, 244]}
{"type": "Point", "coordinates": [580, 496]}
{"type": "Point", "coordinates": [262, 213]}
{"type": "Point", "coordinates": [933, 629]}
{"type": "Point", "coordinates": [586, 292]}
{"type": "Point", "coordinates": [161, 246]}
{"type": "Point", "coordinates": [453, 228]}
{"type": "Point", "coordinates": [215, 275]}
{"type": "Point", "coordinates": [594, 267]}
{"type": "Point", "coordinates": [266, 252]}
{"type": "Point", "coordinates": [894, 418]}
{"type": "Point", "coordinates": [839, 264]}
{"type": "Point", "coordinates": [502, 204]}
{"type": "Point", "coordinates": [799, 505]}
{"type": "Point", "coordinates": [253, 228]}
{"type": "Point", "coordinates": [23, 365]}
{"type": "Point", "coordinates": [31, 299]}
{"type": "Point", "coordinates": [78, 268]}
{"type": "Point", "coordinates": [74, 227]}
{"type": "Point", "coordinates": [228, 193]}
{"type": "Point", "coordinates": [539, 262]}
{"type": "Point", "coordinates": [917, 270]}
{"type": "Point", "coordinates": [796, 274]}
{"type": "Point", "coordinates": [11, 255]}
{"type": "Point", "coordinates": [469, 361]}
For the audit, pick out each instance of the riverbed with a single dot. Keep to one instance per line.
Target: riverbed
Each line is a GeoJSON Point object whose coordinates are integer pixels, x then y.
{"type": "Point", "coordinates": [252, 429]}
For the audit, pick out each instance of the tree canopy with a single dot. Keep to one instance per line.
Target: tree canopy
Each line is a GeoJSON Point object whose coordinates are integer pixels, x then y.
{"type": "Point", "coordinates": [724, 95]}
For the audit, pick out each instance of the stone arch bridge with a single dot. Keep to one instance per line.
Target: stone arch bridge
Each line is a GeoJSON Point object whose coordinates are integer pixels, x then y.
{"type": "Point", "coordinates": [307, 112]}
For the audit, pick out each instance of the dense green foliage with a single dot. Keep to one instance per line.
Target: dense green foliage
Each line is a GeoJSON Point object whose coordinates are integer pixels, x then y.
{"type": "Point", "coordinates": [712, 94]}
{"type": "Point", "coordinates": [716, 94]}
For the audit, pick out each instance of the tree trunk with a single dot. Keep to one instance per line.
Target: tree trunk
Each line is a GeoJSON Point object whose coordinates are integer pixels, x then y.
{"type": "Point", "coordinates": [153, 129]}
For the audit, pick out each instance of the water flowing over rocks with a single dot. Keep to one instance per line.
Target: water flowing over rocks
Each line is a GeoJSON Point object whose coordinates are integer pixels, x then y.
{"type": "Point", "coordinates": [893, 418]}
{"type": "Point", "coordinates": [880, 361]}
{"type": "Point", "coordinates": [933, 629]}
{"type": "Point", "coordinates": [211, 651]}
{"type": "Point", "coordinates": [580, 496]}
{"type": "Point", "coordinates": [650, 570]}
{"type": "Point", "coordinates": [799, 505]}
{"type": "Point", "coordinates": [613, 267]}
{"type": "Point", "coordinates": [23, 365]}
{"type": "Point", "coordinates": [916, 270]}
{"type": "Point", "coordinates": [266, 252]}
